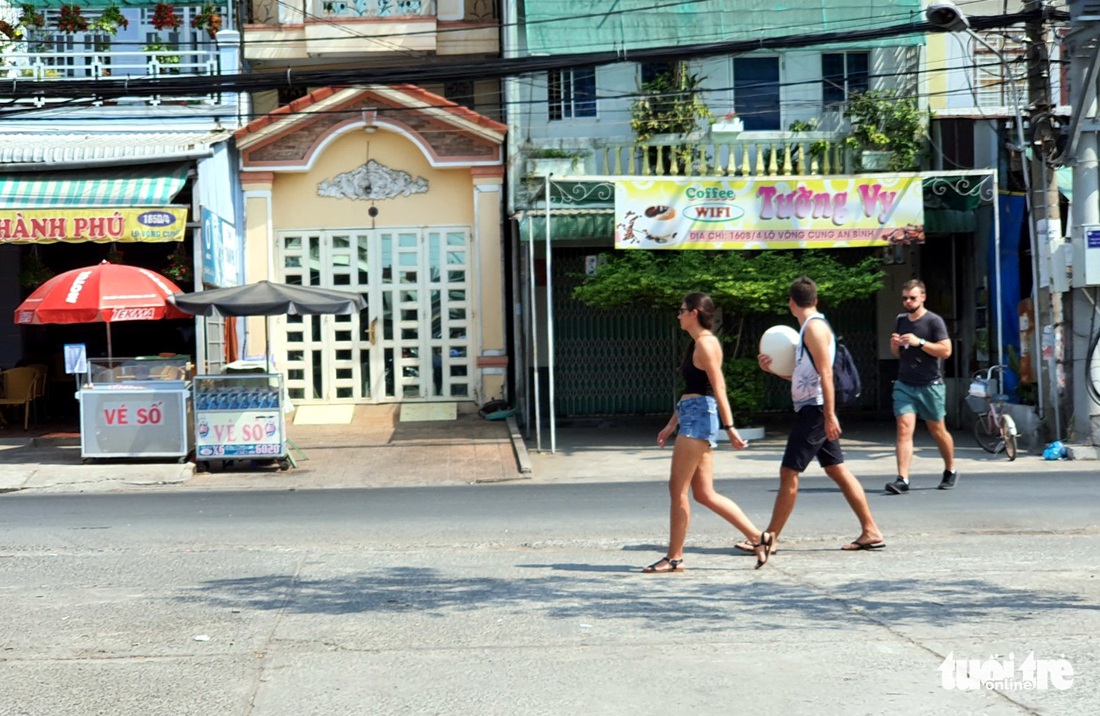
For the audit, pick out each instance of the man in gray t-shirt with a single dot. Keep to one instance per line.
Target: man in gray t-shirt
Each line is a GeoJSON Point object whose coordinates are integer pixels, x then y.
{"type": "Point", "coordinates": [920, 343]}
{"type": "Point", "coordinates": [917, 367]}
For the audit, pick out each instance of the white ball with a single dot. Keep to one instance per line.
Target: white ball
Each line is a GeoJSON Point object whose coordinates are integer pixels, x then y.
{"type": "Point", "coordinates": [780, 342]}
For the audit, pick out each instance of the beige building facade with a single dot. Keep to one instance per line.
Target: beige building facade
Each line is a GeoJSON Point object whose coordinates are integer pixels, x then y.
{"type": "Point", "coordinates": [395, 193]}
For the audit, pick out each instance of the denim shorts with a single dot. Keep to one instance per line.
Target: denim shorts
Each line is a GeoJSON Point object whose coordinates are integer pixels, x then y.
{"type": "Point", "coordinates": [699, 418]}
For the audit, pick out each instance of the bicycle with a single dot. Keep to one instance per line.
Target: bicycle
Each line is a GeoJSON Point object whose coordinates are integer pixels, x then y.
{"type": "Point", "coordinates": [994, 429]}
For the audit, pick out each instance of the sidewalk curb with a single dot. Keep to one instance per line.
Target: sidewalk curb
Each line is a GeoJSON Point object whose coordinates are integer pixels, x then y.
{"type": "Point", "coordinates": [523, 460]}
{"type": "Point", "coordinates": [1082, 452]}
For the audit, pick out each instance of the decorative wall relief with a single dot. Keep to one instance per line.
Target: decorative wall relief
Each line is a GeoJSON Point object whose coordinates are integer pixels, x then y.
{"type": "Point", "coordinates": [372, 181]}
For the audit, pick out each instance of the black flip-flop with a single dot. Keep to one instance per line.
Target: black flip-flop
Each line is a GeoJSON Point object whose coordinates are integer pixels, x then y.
{"type": "Point", "coordinates": [860, 546]}
{"type": "Point", "coordinates": [674, 565]}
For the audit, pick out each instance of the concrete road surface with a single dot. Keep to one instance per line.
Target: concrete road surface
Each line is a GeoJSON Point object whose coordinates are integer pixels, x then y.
{"type": "Point", "coordinates": [526, 599]}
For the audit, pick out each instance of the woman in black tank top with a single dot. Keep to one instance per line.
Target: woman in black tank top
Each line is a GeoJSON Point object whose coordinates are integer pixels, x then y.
{"type": "Point", "coordinates": [703, 412]}
{"type": "Point", "coordinates": [695, 379]}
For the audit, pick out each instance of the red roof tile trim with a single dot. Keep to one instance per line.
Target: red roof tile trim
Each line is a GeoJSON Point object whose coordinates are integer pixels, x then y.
{"type": "Point", "coordinates": [427, 99]}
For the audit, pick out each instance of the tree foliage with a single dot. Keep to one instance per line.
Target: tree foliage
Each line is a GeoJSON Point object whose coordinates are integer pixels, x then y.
{"type": "Point", "coordinates": [740, 282]}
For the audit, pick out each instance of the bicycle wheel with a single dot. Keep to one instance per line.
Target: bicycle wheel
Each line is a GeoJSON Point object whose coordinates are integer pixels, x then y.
{"type": "Point", "coordinates": [1008, 435]}
{"type": "Point", "coordinates": [989, 441]}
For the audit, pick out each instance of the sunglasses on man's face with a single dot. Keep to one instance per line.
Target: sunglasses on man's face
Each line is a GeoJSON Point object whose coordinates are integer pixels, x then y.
{"type": "Point", "coordinates": [907, 299]}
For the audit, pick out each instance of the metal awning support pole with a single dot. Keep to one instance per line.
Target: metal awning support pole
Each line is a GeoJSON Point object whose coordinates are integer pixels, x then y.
{"type": "Point", "coordinates": [534, 335]}
{"type": "Point", "coordinates": [521, 366]}
{"type": "Point", "coordinates": [550, 326]}
{"type": "Point", "coordinates": [997, 274]}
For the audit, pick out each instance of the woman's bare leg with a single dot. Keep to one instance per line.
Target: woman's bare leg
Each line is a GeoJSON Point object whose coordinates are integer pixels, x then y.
{"type": "Point", "coordinates": [686, 457]}
{"type": "Point", "coordinates": [702, 487]}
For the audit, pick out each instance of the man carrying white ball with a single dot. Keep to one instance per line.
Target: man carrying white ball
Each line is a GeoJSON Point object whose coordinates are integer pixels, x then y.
{"type": "Point", "coordinates": [816, 431]}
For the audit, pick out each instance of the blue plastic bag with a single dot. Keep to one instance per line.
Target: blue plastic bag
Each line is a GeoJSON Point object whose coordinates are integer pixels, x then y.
{"type": "Point", "coordinates": [1055, 451]}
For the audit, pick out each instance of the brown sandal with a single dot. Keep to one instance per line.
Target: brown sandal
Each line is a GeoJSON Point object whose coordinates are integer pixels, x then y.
{"type": "Point", "coordinates": [674, 565]}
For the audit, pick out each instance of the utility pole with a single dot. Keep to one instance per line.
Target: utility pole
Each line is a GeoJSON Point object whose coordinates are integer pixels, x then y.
{"type": "Point", "coordinates": [1083, 152]}
{"type": "Point", "coordinates": [1048, 349]}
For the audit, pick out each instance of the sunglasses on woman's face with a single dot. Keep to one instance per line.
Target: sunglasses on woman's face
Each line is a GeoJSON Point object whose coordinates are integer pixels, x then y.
{"type": "Point", "coordinates": [681, 311]}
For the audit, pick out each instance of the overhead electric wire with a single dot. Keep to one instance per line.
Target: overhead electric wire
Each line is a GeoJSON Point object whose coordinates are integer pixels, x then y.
{"type": "Point", "coordinates": [432, 32]}
{"type": "Point", "coordinates": [111, 88]}
{"type": "Point", "coordinates": [606, 115]}
{"type": "Point", "coordinates": [538, 81]}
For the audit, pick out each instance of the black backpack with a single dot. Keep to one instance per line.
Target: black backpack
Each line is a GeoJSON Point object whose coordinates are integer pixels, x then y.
{"type": "Point", "coordinates": [846, 384]}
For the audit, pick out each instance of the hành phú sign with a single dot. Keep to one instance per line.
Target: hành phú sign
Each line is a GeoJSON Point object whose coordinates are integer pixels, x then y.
{"type": "Point", "coordinates": [95, 224]}
{"type": "Point", "coordinates": [749, 213]}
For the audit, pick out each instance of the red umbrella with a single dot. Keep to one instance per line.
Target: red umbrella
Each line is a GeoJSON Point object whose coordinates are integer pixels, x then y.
{"type": "Point", "coordinates": [106, 293]}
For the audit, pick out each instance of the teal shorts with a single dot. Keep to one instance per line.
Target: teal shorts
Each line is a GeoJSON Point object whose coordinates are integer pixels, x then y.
{"type": "Point", "coordinates": [929, 402]}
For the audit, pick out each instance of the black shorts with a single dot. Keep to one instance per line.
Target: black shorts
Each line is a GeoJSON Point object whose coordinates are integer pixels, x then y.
{"type": "Point", "coordinates": [808, 441]}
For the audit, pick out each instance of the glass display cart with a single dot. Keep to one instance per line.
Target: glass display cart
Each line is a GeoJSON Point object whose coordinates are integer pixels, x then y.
{"type": "Point", "coordinates": [136, 408]}
{"type": "Point", "coordinates": [239, 416]}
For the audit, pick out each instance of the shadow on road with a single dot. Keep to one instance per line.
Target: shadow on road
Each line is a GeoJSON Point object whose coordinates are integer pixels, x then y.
{"type": "Point", "coordinates": [689, 600]}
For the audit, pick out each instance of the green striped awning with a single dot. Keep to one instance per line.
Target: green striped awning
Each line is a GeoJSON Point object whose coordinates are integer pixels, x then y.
{"type": "Point", "coordinates": [577, 225]}
{"type": "Point", "coordinates": [949, 221]}
{"type": "Point", "coordinates": [148, 185]}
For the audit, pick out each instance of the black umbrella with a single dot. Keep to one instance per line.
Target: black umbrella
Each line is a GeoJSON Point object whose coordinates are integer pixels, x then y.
{"type": "Point", "coordinates": [266, 298]}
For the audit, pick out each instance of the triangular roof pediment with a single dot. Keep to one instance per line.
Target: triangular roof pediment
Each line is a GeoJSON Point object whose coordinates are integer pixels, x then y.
{"type": "Point", "coordinates": [449, 135]}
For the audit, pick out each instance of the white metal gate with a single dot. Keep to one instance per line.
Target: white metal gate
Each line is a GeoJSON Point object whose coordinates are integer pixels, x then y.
{"type": "Point", "coordinates": [413, 340]}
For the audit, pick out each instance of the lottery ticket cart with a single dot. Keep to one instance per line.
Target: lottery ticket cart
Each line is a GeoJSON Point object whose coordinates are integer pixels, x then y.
{"type": "Point", "coordinates": [136, 408]}
{"type": "Point", "coordinates": [239, 416]}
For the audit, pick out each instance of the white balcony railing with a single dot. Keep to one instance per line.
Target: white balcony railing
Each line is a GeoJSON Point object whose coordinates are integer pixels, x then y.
{"type": "Point", "coordinates": [292, 12]}
{"type": "Point", "coordinates": [373, 8]}
{"type": "Point", "coordinates": [146, 64]}
{"type": "Point", "coordinates": [759, 154]}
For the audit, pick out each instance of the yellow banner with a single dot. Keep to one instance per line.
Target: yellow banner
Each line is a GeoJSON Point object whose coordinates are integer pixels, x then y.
{"type": "Point", "coordinates": [97, 224]}
{"type": "Point", "coordinates": [749, 213]}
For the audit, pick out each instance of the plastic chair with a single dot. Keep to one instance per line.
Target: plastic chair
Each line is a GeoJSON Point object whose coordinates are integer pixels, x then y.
{"type": "Point", "coordinates": [20, 388]}
{"type": "Point", "coordinates": [40, 390]}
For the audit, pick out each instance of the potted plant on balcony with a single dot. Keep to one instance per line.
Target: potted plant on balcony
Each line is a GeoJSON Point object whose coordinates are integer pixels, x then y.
{"type": "Point", "coordinates": [71, 19]}
{"type": "Point", "coordinates": [31, 19]}
{"type": "Point", "coordinates": [110, 20]}
{"type": "Point", "coordinates": [179, 266]}
{"type": "Point", "coordinates": [669, 115]}
{"type": "Point", "coordinates": [728, 124]}
{"type": "Point", "coordinates": [9, 31]}
{"type": "Point", "coordinates": [209, 19]}
{"type": "Point", "coordinates": [553, 160]}
{"type": "Point", "coordinates": [817, 149]}
{"type": "Point", "coordinates": [887, 130]}
{"type": "Point", "coordinates": [165, 17]}
{"type": "Point", "coordinates": [34, 272]}
{"type": "Point", "coordinates": [670, 108]}
{"type": "Point", "coordinates": [166, 61]}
